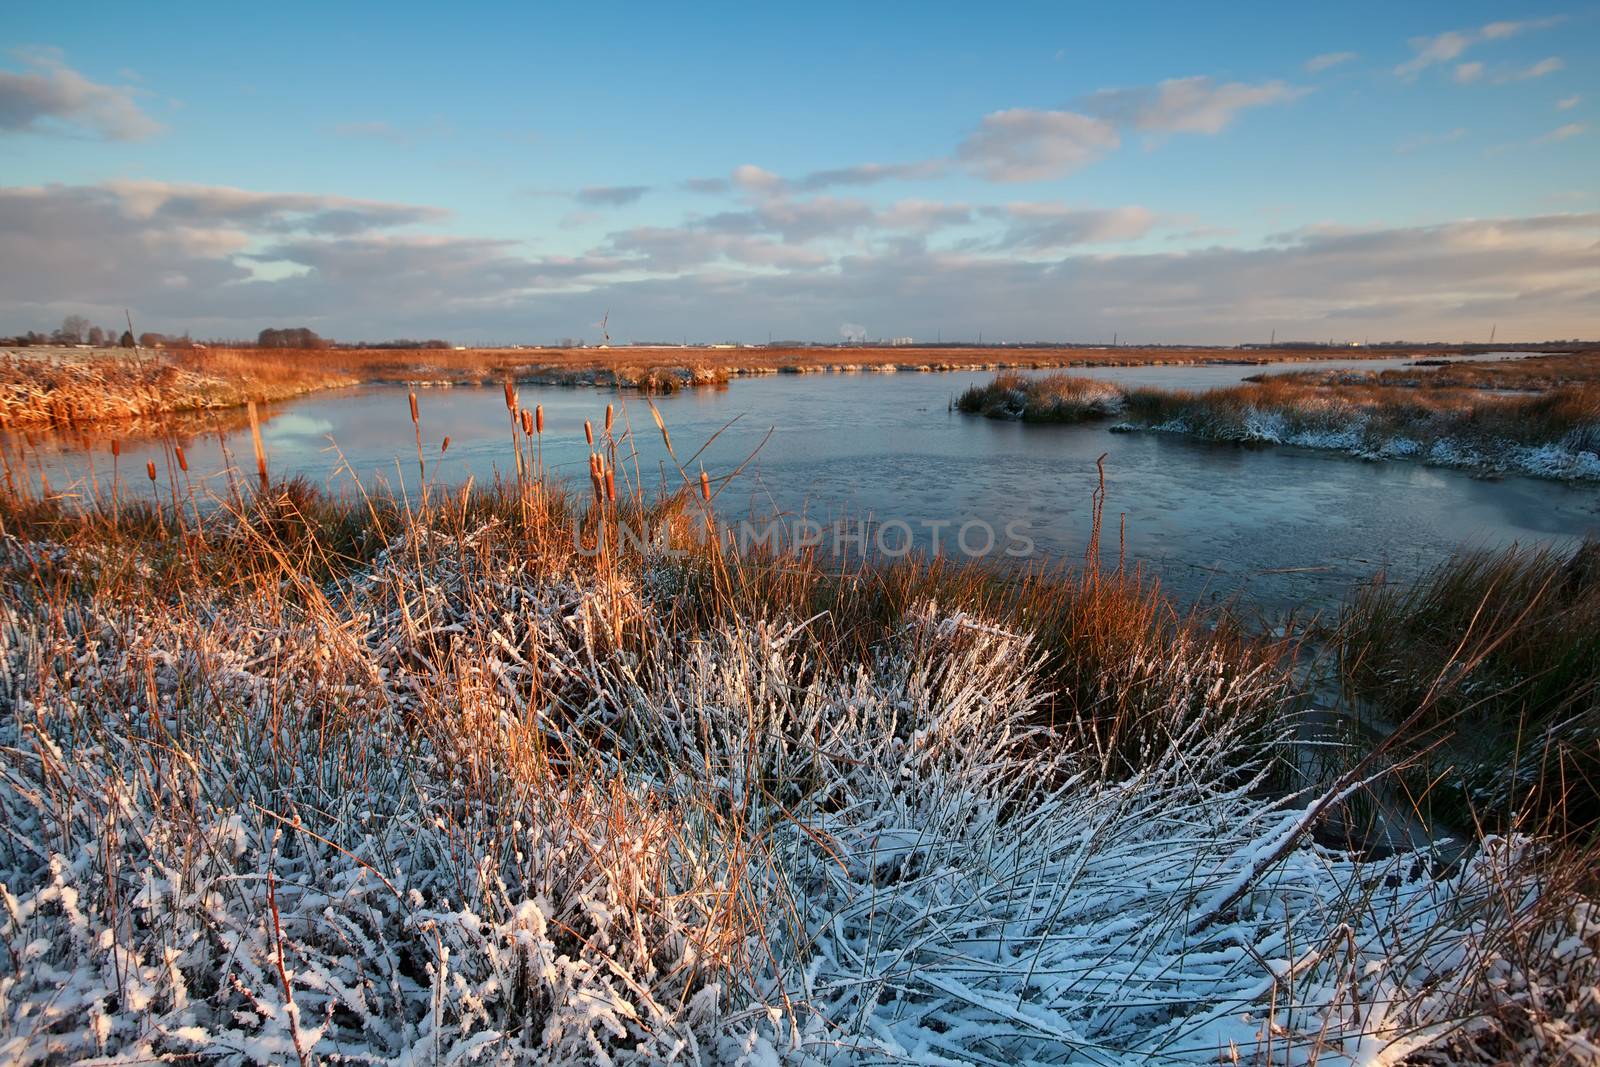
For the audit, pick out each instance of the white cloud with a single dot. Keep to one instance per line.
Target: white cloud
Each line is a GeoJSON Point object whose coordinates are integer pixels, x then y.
{"type": "Point", "coordinates": [1537, 70]}
{"type": "Point", "coordinates": [1567, 103]}
{"type": "Point", "coordinates": [1186, 105]}
{"type": "Point", "coordinates": [754, 179]}
{"type": "Point", "coordinates": [1564, 133]}
{"type": "Point", "coordinates": [1328, 60]}
{"type": "Point", "coordinates": [1466, 73]}
{"type": "Point", "coordinates": [1022, 144]}
{"type": "Point", "coordinates": [54, 98]}
{"type": "Point", "coordinates": [1450, 45]}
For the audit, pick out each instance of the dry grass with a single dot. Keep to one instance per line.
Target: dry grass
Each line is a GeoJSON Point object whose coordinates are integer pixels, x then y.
{"type": "Point", "coordinates": [288, 776]}
{"type": "Point", "coordinates": [67, 388]}
{"type": "Point", "coordinates": [1051, 398]}
{"type": "Point", "coordinates": [1529, 373]}
{"type": "Point", "coordinates": [1554, 434]}
{"type": "Point", "coordinates": [1504, 650]}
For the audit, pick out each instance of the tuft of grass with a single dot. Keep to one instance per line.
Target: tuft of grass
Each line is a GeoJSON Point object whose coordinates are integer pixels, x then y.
{"type": "Point", "coordinates": [1503, 648]}
{"type": "Point", "coordinates": [1047, 398]}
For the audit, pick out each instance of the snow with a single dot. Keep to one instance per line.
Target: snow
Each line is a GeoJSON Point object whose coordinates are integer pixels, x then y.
{"type": "Point", "coordinates": [1574, 458]}
{"type": "Point", "coordinates": [438, 817]}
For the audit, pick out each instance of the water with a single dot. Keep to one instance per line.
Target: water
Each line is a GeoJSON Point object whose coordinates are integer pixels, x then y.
{"type": "Point", "coordinates": [1276, 527]}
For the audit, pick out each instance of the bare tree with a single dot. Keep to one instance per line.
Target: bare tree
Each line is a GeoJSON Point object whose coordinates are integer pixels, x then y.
{"type": "Point", "coordinates": [73, 327]}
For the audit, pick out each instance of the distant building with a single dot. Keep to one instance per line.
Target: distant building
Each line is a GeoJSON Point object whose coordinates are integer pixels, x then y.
{"type": "Point", "coordinates": [899, 342]}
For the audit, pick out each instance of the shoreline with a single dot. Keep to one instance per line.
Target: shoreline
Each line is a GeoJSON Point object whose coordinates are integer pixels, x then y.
{"type": "Point", "coordinates": [1552, 434]}
{"type": "Point", "coordinates": [234, 376]}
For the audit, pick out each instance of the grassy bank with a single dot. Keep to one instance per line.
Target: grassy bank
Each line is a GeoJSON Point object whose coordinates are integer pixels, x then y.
{"type": "Point", "coordinates": [1554, 434]}
{"type": "Point", "coordinates": [295, 777]}
{"type": "Point", "coordinates": [68, 387]}
{"type": "Point", "coordinates": [1528, 374]}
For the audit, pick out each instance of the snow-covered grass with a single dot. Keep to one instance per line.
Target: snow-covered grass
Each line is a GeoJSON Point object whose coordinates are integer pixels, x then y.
{"type": "Point", "coordinates": [430, 788]}
{"type": "Point", "coordinates": [1551, 435]}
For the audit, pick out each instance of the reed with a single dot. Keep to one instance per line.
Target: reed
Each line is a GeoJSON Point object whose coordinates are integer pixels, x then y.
{"type": "Point", "coordinates": [445, 779]}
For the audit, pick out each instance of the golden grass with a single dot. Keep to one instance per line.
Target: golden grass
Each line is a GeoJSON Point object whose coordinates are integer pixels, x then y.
{"type": "Point", "coordinates": [67, 389]}
{"type": "Point", "coordinates": [1529, 373]}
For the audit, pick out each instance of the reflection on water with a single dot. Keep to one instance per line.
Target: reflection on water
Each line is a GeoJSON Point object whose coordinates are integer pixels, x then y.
{"type": "Point", "coordinates": [1281, 526]}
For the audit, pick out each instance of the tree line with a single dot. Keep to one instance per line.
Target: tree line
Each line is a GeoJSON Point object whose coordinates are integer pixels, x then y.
{"type": "Point", "coordinates": [78, 330]}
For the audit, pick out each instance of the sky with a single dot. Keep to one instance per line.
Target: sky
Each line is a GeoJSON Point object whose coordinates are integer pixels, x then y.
{"type": "Point", "coordinates": [516, 173]}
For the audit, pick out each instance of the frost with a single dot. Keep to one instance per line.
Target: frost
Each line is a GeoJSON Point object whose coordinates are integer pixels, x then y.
{"type": "Point", "coordinates": [442, 815]}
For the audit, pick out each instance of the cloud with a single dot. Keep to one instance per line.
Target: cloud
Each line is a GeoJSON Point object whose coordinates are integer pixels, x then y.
{"type": "Point", "coordinates": [794, 220]}
{"type": "Point", "coordinates": [706, 185]}
{"type": "Point", "coordinates": [754, 179]}
{"type": "Point", "coordinates": [1563, 133]}
{"type": "Point", "coordinates": [1022, 145]}
{"type": "Point", "coordinates": [227, 261]}
{"type": "Point", "coordinates": [1327, 61]}
{"type": "Point", "coordinates": [924, 216]}
{"type": "Point", "coordinates": [1035, 227]}
{"type": "Point", "coordinates": [1467, 73]}
{"type": "Point", "coordinates": [1538, 70]}
{"type": "Point", "coordinates": [1567, 103]}
{"type": "Point", "coordinates": [1186, 105]}
{"type": "Point", "coordinates": [54, 98]}
{"type": "Point", "coordinates": [610, 195]}
{"type": "Point", "coordinates": [871, 174]}
{"type": "Point", "coordinates": [1452, 44]}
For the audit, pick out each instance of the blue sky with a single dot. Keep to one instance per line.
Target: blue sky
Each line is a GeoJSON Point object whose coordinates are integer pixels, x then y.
{"type": "Point", "coordinates": [509, 173]}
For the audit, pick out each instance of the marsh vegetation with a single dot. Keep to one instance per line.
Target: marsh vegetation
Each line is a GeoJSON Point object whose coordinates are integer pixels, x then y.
{"type": "Point", "coordinates": [291, 775]}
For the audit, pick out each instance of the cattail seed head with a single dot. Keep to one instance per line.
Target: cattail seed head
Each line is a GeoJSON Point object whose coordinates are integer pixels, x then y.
{"type": "Point", "coordinates": [538, 418]}
{"type": "Point", "coordinates": [445, 447]}
{"type": "Point", "coordinates": [588, 432]}
{"type": "Point", "coordinates": [611, 484]}
{"type": "Point", "coordinates": [527, 423]}
{"type": "Point", "coordinates": [608, 420]}
{"type": "Point", "coordinates": [705, 486]}
{"type": "Point", "coordinates": [183, 460]}
{"type": "Point", "coordinates": [511, 396]}
{"type": "Point", "coordinates": [413, 407]}
{"type": "Point", "coordinates": [150, 468]}
{"type": "Point", "coordinates": [116, 447]}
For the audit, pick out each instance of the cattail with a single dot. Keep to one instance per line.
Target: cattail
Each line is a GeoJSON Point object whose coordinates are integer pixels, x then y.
{"type": "Point", "coordinates": [705, 486]}
{"type": "Point", "coordinates": [116, 447]}
{"type": "Point", "coordinates": [538, 418]}
{"type": "Point", "coordinates": [511, 396]}
{"type": "Point", "coordinates": [594, 475]}
{"type": "Point", "coordinates": [183, 461]}
{"type": "Point", "coordinates": [445, 447]}
{"type": "Point", "coordinates": [527, 423]}
{"type": "Point", "coordinates": [413, 407]}
{"type": "Point", "coordinates": [150, 468]}
{"type": "Point", "coordinates": [608, 420]}
{"type": "Point", "coordinates": [588, 433]}
{"type": "Point", "coordinates": [611, 484]}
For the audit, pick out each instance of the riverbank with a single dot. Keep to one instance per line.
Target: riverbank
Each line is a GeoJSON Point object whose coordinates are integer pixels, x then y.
{"type": "Point", "coordinates": [66, 386]}
{"type": "Point", "coordinates": [371, 777]}
{"type": "Point", "coordinates": [1553, 434]}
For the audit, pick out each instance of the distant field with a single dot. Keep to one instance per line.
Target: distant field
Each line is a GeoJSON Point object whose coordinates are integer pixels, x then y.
{"type": "Point", "coordinates": [61, 386]}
